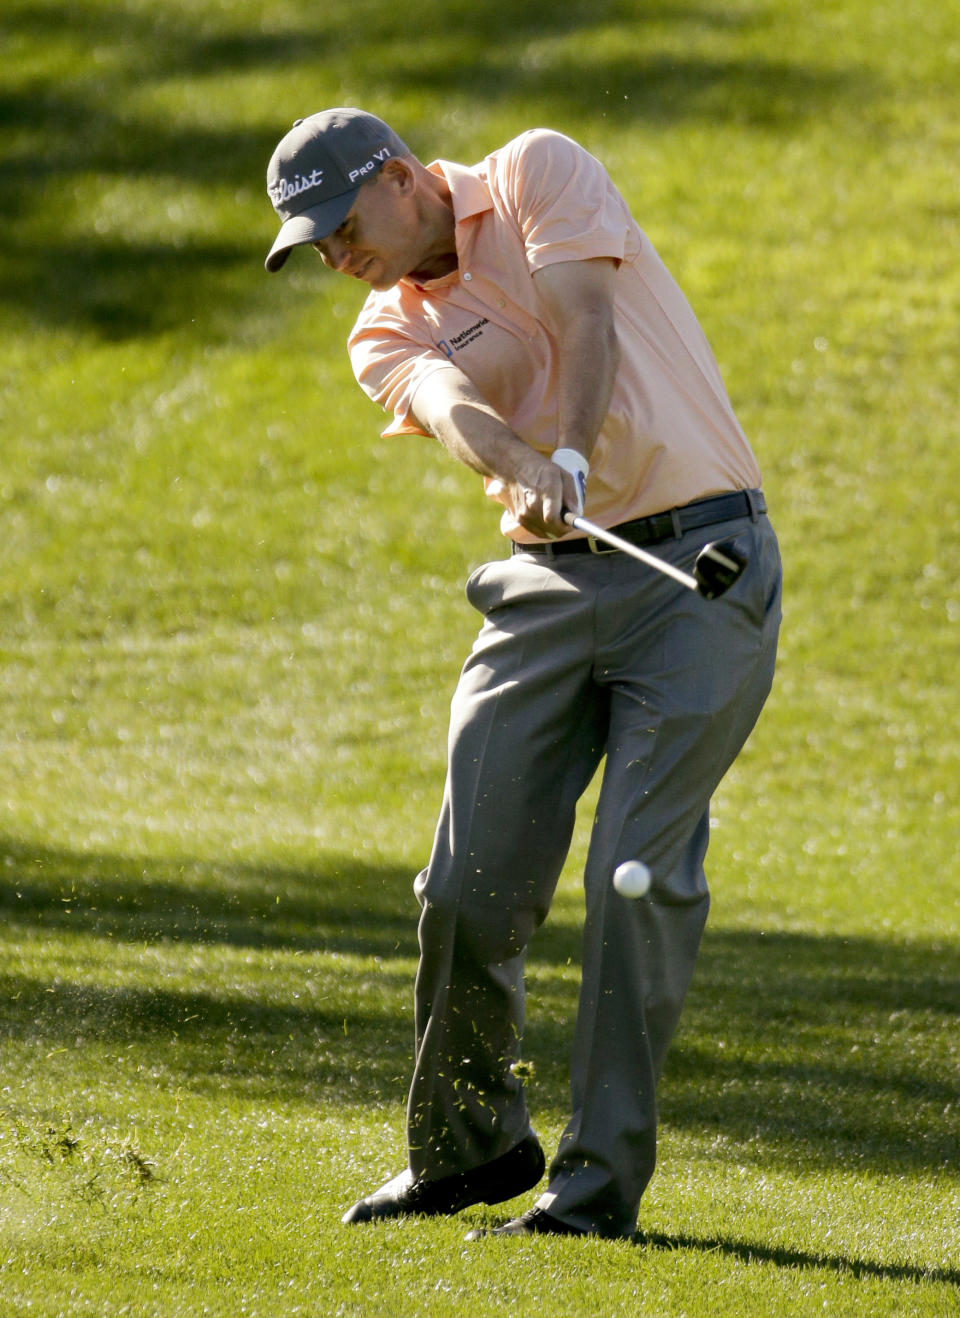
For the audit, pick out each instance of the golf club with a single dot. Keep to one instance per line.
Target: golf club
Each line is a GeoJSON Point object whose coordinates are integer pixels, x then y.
{"type": "Point", "coordinates": [717, 567]}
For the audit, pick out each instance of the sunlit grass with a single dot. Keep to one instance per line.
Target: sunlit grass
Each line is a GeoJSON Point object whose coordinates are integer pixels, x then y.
{"type": "Point", "coordinates": [231, 616]}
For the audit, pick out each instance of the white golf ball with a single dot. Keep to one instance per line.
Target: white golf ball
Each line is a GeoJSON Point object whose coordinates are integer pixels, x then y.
{"type": "Point", "coordinates": [632, 879]}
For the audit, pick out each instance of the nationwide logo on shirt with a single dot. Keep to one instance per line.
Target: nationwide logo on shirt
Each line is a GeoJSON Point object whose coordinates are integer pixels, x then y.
{"type": "Point", "coordinates": [457, 341]}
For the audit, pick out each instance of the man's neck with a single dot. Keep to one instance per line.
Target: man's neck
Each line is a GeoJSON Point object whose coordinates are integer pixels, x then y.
{"type": "Point", "coordinates": [440, 257]}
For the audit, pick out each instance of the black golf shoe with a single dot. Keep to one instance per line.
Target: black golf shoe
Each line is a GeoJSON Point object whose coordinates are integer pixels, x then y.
{"type": "Point", "coordinates": [511, 1174]}
{"type": "Point", "coordinates": [534, 1222]}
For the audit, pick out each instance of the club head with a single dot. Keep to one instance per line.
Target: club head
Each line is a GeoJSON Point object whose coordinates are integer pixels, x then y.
{"type": "Point", "coordinates": [717, 567]}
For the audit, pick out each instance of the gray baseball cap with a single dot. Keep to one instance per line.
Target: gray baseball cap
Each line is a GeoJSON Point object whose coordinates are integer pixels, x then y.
{"type": "Point", "coordinates": [317, 170]}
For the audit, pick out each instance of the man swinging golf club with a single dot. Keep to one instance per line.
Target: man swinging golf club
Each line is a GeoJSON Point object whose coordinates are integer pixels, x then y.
{"type": "Point", "coordinates": [518, 314]}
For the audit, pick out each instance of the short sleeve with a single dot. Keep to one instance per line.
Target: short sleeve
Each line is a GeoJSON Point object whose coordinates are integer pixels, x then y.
{"type": "Point", "coordinates": [563, 200]}
{"type": "Point", "coordinates": [390, 365]}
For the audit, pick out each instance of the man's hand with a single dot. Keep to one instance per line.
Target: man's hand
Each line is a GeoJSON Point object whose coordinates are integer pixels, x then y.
{"type": "Point", "coordinates": [535, 504]}
{"type": "Point", "coordinates": [538, 498]}
{"type": "Point", "coordinates": [534, 489]}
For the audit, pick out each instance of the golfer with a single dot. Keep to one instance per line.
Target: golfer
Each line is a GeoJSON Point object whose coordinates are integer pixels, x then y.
{"type": "Point", "coordinates": [518, 314]}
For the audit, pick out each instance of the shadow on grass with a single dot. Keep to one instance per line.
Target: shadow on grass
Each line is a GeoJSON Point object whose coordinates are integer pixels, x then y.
{"type": "Point", "coordinates": [121, 290]}
{"type": "Point", "coordinates": [826, 1050]}
{"type": "Point", "coordinates": [76, 128]}
{"type": "Point", "coordinates": [861, 1269]}
{"type": "Point", "coordinates": [349, 907]}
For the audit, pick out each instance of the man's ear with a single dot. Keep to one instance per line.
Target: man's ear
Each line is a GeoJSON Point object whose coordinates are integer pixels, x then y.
{"type": "Point", "coordinates": [399, 174]}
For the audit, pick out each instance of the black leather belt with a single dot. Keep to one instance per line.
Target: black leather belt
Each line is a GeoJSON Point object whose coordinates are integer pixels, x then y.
{"type": "Point", "coordinates": [661, 526]}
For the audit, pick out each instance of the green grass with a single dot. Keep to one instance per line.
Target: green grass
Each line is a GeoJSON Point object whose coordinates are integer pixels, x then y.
{"type": "Point", "coordinates": [231, 616]}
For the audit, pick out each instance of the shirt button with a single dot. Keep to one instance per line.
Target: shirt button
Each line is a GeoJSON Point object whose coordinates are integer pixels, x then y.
{"type": "Point", "coordinates": [501, 302]}
{"type": "Point", "coordinates": [468, 276]}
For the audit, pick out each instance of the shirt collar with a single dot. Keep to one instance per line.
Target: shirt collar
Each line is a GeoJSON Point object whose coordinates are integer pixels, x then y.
{"type": "Point", "coordinates": [468, 188]}
{"type": "Point", "coordinates": [471, 197]}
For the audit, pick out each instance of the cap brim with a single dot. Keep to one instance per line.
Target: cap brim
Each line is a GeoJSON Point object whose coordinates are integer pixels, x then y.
{"type": "Point", "coordinates": [309, 227]}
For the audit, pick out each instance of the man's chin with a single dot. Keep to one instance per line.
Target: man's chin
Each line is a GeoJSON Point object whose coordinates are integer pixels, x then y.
{"type": "Point", "coordinates": [380, 283]}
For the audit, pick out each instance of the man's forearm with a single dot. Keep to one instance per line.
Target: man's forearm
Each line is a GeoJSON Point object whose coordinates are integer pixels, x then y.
{"type": "Point", "coordinates": [532, 487]}
{"type": "Point", "coordinates": [588, 359]}
{"type": "Point", "coordinates": [473, 432]}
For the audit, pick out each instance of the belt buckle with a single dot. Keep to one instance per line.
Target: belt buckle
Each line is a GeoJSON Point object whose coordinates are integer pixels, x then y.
{"type": "Point", "coordinates": [599, 547]}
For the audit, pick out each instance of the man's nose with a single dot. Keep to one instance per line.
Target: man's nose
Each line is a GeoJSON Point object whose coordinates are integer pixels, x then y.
{"type": "Point", "coordinates": [335, 253]}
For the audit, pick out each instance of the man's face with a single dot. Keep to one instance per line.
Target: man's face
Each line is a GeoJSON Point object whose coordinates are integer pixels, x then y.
{"type": "Point", "coordinates": [379, 241]}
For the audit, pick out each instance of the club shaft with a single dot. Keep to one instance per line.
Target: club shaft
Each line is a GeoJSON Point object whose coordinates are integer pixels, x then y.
{"type": "Point", "coordinates": [615, 542]}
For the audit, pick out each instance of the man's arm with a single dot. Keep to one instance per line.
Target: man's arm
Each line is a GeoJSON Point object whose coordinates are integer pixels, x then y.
{"type": "Point", "coordinates": [578, 296]}
{"type": "Point", "coordinates": [578, 299]}
{"type": "Point", "coordinates": [449, 406]}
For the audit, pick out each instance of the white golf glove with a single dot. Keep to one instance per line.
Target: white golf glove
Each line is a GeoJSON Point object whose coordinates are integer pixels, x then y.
{"type": "Point", "coordinates": [579, 468]}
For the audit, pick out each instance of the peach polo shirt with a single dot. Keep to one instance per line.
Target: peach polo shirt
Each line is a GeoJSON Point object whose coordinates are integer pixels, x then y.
{"type": "Point", "coordinates": [670, 435]}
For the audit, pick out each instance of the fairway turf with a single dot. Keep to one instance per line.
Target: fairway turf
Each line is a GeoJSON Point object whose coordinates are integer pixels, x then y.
{"type": "Point", "coordinates": [231, 617]}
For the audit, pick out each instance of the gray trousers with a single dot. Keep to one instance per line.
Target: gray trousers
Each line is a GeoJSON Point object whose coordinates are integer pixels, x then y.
{"type": "Point", "coordinates": [580, 657]}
